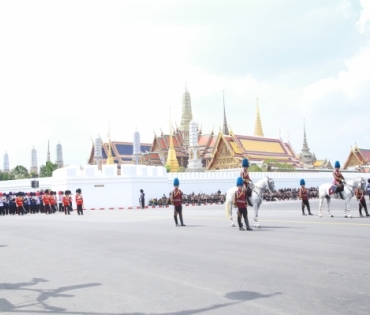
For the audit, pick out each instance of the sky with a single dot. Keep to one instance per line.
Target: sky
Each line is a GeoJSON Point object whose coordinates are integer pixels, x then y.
{"type": "Point", "coordinates": [71, 69]}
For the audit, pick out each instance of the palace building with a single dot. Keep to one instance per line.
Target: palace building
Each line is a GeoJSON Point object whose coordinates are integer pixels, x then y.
{"type": "Point", "coordinates": [224, 150]}
{"type": "Point", "coordinates": [358, 160]}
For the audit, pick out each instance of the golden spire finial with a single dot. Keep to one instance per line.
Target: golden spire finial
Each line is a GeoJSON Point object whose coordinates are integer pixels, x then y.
{"type": "Point", "coordinates": [172, 162]}
{"type": "Point", "coordinates": [109, 157]}
{"type": "Point", "coordinates": [258, 126]}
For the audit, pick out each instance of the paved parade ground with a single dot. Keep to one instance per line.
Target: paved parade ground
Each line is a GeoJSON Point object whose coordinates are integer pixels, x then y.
{"type": "Point", "coordinates": [138, 262]}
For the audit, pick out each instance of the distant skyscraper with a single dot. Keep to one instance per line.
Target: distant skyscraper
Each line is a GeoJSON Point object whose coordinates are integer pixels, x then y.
{"type": "Point", "coordinates": [34, 168]}
{"type": "Point", "coordinates": [48, 155]}
{"type": "Point", "coordinates": [187, 116]}
{"type": "Point", "coordinates": [59, 161]}
{"type": "Point", "coordinates": [6, 163]}
{"type": "Point", "coordinates": [136, 148]}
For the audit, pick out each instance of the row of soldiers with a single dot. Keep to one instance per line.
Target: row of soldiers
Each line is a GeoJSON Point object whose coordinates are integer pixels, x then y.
{"type": "Point", "coordinates": [46, 201]}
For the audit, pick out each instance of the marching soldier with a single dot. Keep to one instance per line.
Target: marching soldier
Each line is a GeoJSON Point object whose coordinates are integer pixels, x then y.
{"type": "Point", "coordinates": [176, 200]}
{"type": "Point", "coordinates": [246, 180]}
{"type": "Point", "coordinates": [66, 202]}
{"type": "Point", "coordinates": [240, 202]}
{"type": "Point", "coordinates": [360, 196]}
{"type": "Point", "coordinates": [79, 202]}
{"type": "Point", "coordinates": [338, 180]}
{"type": "Point", "coordinates": [303, 195]}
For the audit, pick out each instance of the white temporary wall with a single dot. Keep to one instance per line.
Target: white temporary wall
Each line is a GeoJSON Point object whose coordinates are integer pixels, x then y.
{"type": "Point", "coordinates": [104, 189]}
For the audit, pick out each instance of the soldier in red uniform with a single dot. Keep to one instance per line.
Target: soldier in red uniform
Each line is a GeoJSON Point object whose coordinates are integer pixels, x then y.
{"type": "Point", "coordinates": [360, 196]}
{"type": "Point", "coordinates": [66, 201]}
{"type": "Point", "coordinates": [176, 200]}
{"type": "Point", "coordinates": [338, 180]}
{"type": "Point", "coordinates": [46, 202]}
{"type": "Point", "coordinates": [240, 202]}
{"type": "Point", "coordinates": [19, 203]}
{"type": "Point", "coordinates": [303, 195]}
{"type": "Point", "coordinates": [79, 202]}
{"type": "Point", "coordinates": [52, 201]}
{"type": "Point", "coordinates": [246, 180]}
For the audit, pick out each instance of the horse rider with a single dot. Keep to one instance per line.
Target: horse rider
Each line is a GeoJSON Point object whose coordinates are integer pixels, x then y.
{"type": "Point", "coordinates": [246, 180]}
{"type": "Point", "coordinates": [338, 185]}
{"type": "Point", "coordinates": [240, 202]}
{"type": "Point", "coordinates": [303, 195]}
{"type": "Point", "coordinates": [360, 197]}
{"type": "Point", "coordinates": [176, 200]}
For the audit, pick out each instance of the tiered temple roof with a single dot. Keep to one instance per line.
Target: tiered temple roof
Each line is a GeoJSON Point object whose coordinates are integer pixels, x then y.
{"type": "Point", "coordinates": [230, 150]}
{"type": "Point", "coordinates": [121, 152]}
{"type": "Point", "coordinates": [358, 159]}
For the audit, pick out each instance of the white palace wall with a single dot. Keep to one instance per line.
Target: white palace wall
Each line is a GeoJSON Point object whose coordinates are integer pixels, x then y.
{"type": "Point", "coordinates": [102, 189]}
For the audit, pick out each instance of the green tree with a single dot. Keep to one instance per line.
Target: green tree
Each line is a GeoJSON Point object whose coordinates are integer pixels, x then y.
{"type": "Point", "coordinates": [255, 168]}
{"type": "Point", "coordinates": [168, 168]}
{"type": "Point", "coordinates": [181, 169]}
{"type": "Point", "coordinates": [20, 172]}
{"type": "Point", "coordinates": [48, 169]}
{"type": "Point", "coordinates": [270, 165]}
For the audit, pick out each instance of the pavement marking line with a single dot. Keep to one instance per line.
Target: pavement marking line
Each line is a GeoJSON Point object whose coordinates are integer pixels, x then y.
{"type": "Point", "coordinates": [328, 223]}
{"type": "Point", "coordinates": [220, 219]}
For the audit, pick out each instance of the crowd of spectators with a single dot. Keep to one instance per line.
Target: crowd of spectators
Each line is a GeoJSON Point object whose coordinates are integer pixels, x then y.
{"type": "Point", "coordinates": [218, 197]}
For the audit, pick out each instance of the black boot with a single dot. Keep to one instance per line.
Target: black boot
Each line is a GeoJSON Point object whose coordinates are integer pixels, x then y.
{"type": "Point", "coordinates": [182, 222]}
{"type": "Point", "coordinates": [175, 217]}
{"type": "Point", "coordinates": [247, 224]}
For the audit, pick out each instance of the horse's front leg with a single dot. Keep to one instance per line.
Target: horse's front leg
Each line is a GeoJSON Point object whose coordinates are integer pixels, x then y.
{"type": "Point", "coordinates": [346, 210]}
{"type": "Point", "coordinates": [328, 203]}
{"type": "Point", "coordinates": [320, 207]}
{"type": "Point", "coordinates": [256, 207]}
{"type": "Point", "coordinates": [231, 214]}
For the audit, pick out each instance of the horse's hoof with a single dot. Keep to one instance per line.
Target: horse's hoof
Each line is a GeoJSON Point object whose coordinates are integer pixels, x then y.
{"type": "Point", "coordinates": [232, 225]}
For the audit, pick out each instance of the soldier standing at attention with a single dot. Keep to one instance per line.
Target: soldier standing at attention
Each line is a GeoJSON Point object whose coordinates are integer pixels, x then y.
{"type": "Point", "coordinates": [240, 202]}
{"type": "Point", "coordinates": [60, 201]}
{"type": "Point", "coordinates": [66, 201]}
{"type": "Point", "coordinates": [79, 202]}
{"type": "Point", "coordinates": [2, 208]}
{"type": "Point", "coordinates": [142, 199]}
{"type": "Point", "coordinates": [176, 200]}
{"type": "Point", "coordinates": [360, 196]}
{"type": "Point", "coordinates": [46, 202]}
{"type": "Point", "coordinates": [19, 202]}
{"type": "Point", "coordinates": [303, 195]}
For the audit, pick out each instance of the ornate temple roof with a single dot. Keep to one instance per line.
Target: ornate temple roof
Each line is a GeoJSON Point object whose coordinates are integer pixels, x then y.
{"type": "Point", "coordinates": [121, 152]}
{"type": "Point", "coordinates": [256, 149]}
{"type": "Point", "coordinates": [357, 158]}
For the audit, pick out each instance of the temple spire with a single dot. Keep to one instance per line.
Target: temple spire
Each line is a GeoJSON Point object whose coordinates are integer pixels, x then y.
{"type": "Point", "coordinates": [172, 162]}
{"type": "Point", "coordinates": [305, 144]}
{"type": "Point", "coordinates": [109, 157]}
{"type": "Point", "coordinates": [225, 129]}
{"type": "Point", "coordinates": [258, 126]}
{"type": "Point", "coordinates": [48, 155]}
{"type": "Point", "coordinates": [187, 115]}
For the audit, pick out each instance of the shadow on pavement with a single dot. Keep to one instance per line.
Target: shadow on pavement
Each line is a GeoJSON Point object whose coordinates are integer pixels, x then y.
{"type": "Point", "coordinates": [40, 302]}
{"type": "Point", "coordinates": [3, 245]}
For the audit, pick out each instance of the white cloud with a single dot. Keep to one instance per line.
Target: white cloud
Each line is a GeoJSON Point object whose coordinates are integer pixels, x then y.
{"type": "Point", "coordinates": [362, 24]}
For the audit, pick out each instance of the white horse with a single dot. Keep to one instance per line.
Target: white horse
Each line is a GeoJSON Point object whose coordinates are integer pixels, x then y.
{"type": "Point", "coordinates": [347, 193]}
{"type": "Point", "coordinates": [256, 198]}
